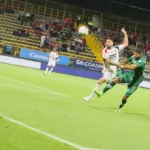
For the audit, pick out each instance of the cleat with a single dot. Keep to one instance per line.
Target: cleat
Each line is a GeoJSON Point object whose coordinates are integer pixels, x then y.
{"type": "Point", "coordinates": [98, 94]}
{"type": "Point", "coordinates": [86, 98]}
{"type": "Point", "coordinates": [118, 110]}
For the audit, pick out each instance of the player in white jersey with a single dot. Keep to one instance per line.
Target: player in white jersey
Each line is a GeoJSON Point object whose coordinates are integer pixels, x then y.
{"type": "Point", "coordinates": [111, 57]}
{"type": "Point", "coordinates": [53, 56]}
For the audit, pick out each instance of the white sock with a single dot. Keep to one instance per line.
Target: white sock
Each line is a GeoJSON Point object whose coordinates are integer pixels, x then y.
{"type": "Point", "coordinates": [51, 70]}
{"type": "Point", "coordinates": [46, 70]}
{"type": "Point", "coordinates": [97, 87]}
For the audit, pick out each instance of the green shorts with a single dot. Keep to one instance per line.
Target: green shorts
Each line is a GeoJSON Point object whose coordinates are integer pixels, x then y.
{"type": "Point", "coordinates": [125, 78]}
{"type": "Point", "coordinates": [132, 86]}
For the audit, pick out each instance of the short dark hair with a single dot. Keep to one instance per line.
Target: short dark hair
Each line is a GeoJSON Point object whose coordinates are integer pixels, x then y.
{"type": "Point", "coordinates": [109, 38]}
{"type": "Point", "coordinates": [138, 50]}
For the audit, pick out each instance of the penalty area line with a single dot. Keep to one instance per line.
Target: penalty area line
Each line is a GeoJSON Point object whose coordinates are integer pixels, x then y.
{"type": "Point", "coordinates": [45, 133]}
{"type": "Point", "coordinates": [35, 86]}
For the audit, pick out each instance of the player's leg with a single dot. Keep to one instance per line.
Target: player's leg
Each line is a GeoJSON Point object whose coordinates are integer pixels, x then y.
{"type": "Point", "coordinates": [96, 88]}
{"type": "Point", "coordinates": [52, 68]}
{"type": "Point", "coordinates": [132, 87]}
{"type": "Point", "coordinates": [119, 78]}
{"type": "Point", "coordinates": [47, 68]}
{"type": "Point", "coordinates": [109, 86]}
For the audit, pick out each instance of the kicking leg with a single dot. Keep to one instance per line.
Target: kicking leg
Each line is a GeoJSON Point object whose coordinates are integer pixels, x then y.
{"type": "Point", "coordinates": [96, 88]}
{"type": "Point", "coordinates": [108, 87]}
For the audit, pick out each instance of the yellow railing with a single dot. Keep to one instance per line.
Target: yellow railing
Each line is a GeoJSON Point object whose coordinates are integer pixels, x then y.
{"type": "Point", "coordinates": [95, 45]}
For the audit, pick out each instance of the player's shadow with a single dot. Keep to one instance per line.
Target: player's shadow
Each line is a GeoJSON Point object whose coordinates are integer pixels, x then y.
{"type": "Point", "coordinates": [102, 108]}
{"type": "Point", "coordinates": [139, 115]}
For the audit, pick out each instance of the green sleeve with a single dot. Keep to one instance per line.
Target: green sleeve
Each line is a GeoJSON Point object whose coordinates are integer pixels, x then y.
{"type": "Point", "coordinates": [130, 59]}
{"type": "Point", "coordinates": [140, 62]}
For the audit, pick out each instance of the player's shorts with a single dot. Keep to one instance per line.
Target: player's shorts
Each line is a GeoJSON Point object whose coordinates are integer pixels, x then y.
{"type": "Point", "coordinates": [108, 75]}
{"type": "Point", "coordinates": [133, 85]}
{"type": "Point", "coordinates": [126, 78]}
{"type": "Point", "coordinates": [51, 63]}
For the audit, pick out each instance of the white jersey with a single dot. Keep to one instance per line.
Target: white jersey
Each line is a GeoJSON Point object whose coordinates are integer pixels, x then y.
{"type": "Point", "coordinates": [53, 56]}
{"type": "Point", "coordinates": [113, 55]}
{"type": "Point", "coordinates": [52, 59]}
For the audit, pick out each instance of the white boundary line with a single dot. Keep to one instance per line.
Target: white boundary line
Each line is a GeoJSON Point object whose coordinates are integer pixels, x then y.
{"type": "Point", "coordinates": [26, 89]}
{"type": "Point", "coordinates": [42, 88]}
{"type": "Point", "coordinates": [46, 134]}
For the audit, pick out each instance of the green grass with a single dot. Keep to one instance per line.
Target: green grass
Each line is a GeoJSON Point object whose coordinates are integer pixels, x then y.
{"type": "Point", "coordinates": [67, 116]}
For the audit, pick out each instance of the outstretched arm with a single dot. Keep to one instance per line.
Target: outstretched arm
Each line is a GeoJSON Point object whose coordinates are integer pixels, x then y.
{"type": "Point", "coordinates": [125, 41]}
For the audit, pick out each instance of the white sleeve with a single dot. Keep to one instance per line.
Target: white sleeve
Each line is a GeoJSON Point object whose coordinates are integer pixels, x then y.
{"type": "Point", "coordinates": [120, 47]}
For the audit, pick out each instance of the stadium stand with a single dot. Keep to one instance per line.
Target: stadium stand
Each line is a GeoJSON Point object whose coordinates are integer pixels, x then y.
{"type": "Point", "coordinates": [9, 24]}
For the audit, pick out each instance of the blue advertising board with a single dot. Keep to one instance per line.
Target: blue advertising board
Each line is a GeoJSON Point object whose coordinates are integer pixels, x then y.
{"type": "Point", "coordinates": [88, 65]}
{"type": "Point", "coordinates": [75, 71]}
{"type": "Point", "coordinates": [42, 57]}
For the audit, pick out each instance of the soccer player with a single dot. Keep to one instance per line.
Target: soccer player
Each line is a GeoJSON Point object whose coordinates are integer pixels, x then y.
{"type": "Point", "coordinates": [136, 64]}
{"type": "Point", "coordinates": [111, 57]}
{"type": "Point", "coordinates": [53, 56]}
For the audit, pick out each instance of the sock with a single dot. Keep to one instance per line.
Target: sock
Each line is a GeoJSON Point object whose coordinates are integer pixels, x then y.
{"type": "Point", "coordinates": [51, 70]}
{"type": "Point", "coordinates": [123, 103]}
{"type": "Point", "coordinates": [108, 87]}
{"type": "Point", "coordinates": [46, 70]}
{"type": "Point", "coordinates": [97, 87]}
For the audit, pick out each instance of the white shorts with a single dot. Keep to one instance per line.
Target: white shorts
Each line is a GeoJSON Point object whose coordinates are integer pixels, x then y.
{"type": "Point", "coordinates": [51, 63]}
{"type": "Point", "coordinates": [109, 75]}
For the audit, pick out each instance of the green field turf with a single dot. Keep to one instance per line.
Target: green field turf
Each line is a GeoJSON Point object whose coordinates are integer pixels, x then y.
{"type": "Point", "coordinates": [53, 104]}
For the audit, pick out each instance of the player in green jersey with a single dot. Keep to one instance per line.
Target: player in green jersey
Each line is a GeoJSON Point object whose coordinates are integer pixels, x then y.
{"type": "Point", "coordinates": [136, 64]}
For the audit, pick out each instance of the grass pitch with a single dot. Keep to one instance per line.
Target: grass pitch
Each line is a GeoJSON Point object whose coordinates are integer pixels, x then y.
{"type": "Point", "coordinates": [53, 104]}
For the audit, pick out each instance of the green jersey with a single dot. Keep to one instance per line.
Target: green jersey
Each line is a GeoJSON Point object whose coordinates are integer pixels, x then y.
{"type": "Point", "coordinates": [141, 63]}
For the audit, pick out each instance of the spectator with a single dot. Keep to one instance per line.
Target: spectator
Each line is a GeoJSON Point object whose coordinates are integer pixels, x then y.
{"type": "Point", "coordinates": [64, 47]}
{"type": "Point", "coordinates": [148, 56]}
{"type": "Point", "coordinates": [84, 42]}
{"type": "Point", "coordinates": [52, 45]}
{"type": "Point", "coordinates": [47, 42]}
{"type": "Point", "coordinates": [146, 49]}
{"type": "Point", "coordinates": [55, 35]}
{"type": "Point", "coordinates": [77, 48]}
{"type": "Point", "coordinates": [59, 47]}
{"type": "Point", "coordinates": [72, 45]}
{"type": "Point", "coordinates": [42, 40]}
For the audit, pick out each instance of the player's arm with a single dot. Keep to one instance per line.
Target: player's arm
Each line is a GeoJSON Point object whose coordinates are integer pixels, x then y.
{"type": "Point", "coordinates": [125, 40]}
{"type": "Point", "coordinates": [133, 66]}
{"type": "Point", "coordinates": [106, 58]}
{"type": "Point", "coordinates": [130, 67]}
{"type": "Point", "coordinates": [111, 62]}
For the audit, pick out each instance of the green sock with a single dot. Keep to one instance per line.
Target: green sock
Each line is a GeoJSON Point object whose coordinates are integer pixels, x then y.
{"type": "Point", "coordinates": [108, 87]}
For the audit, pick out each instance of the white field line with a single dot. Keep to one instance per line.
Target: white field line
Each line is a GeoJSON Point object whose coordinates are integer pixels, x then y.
{"type": "Point", "coordinates": [46, 134]}
{"type": "Point", "coordinates": [35, 86]}
{"type": "Point", "coordinates": [27, 89]}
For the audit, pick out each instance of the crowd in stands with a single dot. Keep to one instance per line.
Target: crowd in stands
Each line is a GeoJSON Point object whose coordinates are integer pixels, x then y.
{"type": "Point", "coordinates": [25, 18]}
{"type": "Point", "coordinates": [21, 32]}
{"type": "Point", "coordinates": [7, 9]}
{"type": "Point", "coordinates": [61, 35]}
